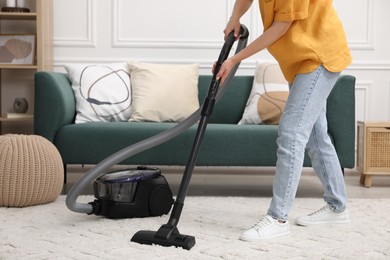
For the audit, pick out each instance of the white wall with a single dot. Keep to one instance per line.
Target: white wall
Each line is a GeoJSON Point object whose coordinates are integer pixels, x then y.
{"type": "Point", "coordinates": [175, 31]}
{"type": "Point", "coordinates": [184, 31]}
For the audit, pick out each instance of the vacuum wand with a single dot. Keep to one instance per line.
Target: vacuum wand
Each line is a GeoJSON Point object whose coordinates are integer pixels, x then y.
{"type": "Point", "coordinates": [168, 234]}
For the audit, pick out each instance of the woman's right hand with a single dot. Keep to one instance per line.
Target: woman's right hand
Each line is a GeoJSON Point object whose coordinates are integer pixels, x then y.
{"type": "Point", "coordinates": [232, 25]}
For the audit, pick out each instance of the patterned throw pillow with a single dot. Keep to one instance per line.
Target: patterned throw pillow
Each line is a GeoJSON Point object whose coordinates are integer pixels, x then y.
{"type": "Point", "coordinates": [102, 92]}
{"type": "Point", "coordinates": [268, 96]}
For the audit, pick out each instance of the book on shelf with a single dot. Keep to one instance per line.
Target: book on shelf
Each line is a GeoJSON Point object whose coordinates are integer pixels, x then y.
{"type": "Point", "coordinates": [17, 115]}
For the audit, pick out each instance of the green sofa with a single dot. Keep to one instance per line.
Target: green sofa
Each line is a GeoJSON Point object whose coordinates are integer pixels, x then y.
{"type": "Point", "coordinates": [225, 143]}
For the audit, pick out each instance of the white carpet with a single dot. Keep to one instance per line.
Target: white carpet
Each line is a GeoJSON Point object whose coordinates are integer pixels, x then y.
{"type": "Point", "coordinates": [53, 232]}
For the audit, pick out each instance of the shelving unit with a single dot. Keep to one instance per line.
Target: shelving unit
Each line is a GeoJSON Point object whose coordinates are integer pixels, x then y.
{"type": "Point", "coordinates": [40, 23]}
{"type": "Point", "coordinates": [373, 150]}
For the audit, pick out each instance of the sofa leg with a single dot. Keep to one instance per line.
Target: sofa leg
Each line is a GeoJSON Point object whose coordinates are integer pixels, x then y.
{"type": "Point", "coordinates": [65, 169]}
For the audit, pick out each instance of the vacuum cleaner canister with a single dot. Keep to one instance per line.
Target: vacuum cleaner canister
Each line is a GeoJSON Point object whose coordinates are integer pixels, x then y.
{"type": "Point", "coordinates": [130, 193]}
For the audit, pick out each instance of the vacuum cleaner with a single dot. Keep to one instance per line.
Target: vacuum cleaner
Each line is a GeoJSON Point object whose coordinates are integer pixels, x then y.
{"type": "Point", "coordinates": [143, 191]}
{"type": "Point", "coordinates": [130, 193]}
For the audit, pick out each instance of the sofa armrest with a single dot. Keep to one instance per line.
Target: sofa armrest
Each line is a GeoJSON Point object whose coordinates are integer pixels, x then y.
{"type": "Point", "coordinates": [54, 103]}
{"type": "Point", "coordinates": [341, 119]}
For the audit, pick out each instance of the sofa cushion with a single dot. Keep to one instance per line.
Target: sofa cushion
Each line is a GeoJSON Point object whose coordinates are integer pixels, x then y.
{"type": "Point", "coordinates": [222, 145]}
{"type": "Point", "coordinates": [163, 92]}
{"type": "Point", "coordinates": [102, 91]}
{"type": "Point", "coordinates": [268, 96]}
{"type": "Point", "coordinates": [229, 109]}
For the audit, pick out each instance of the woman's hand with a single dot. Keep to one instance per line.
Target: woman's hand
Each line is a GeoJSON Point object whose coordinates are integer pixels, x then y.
{"type": "Point", "coordinates": [225, 70]}
{"type": "Point", "coordinates": [239, 9]}
{"type": "Point", "coordinates": [232, 26]}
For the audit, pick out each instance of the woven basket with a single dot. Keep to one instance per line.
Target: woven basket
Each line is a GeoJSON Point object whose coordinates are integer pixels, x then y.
{"type": "Point", "coordinates": [31, 171]}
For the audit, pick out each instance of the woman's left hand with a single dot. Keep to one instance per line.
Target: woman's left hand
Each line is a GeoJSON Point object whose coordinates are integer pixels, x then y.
{"type": "Point", "coordinates": [225, 70]}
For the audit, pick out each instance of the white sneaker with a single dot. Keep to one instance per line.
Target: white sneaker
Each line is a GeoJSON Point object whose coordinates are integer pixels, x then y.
{"type": "Point", "coordinates": [266, 228]}
{"type": "Point", "coordinates": [324, 215]}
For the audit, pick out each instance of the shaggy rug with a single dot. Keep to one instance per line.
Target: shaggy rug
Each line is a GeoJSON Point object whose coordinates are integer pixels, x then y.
{"type": "Point", "coordinates": [53, 232]}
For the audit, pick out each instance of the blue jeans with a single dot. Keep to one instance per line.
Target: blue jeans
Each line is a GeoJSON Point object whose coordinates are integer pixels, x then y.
{"type": "Point", "coordinates": [304, 125]}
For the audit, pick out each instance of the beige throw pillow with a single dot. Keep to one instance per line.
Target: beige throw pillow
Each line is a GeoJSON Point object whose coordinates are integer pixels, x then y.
{"type": "Point", "coordinates": [163, 92]}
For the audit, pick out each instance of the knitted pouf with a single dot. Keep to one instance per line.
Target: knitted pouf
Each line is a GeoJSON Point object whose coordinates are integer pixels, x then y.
{"type": "Point", "coordinates": [31, 171]}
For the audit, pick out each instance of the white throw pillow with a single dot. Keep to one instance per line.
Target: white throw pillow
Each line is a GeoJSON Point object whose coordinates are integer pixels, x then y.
{"type": "Point", "coordinates": [268, 96]}
{"type": "Point", "coordinates": [163, 92]}
{"type": "Point", "coordinates": [102, 91]}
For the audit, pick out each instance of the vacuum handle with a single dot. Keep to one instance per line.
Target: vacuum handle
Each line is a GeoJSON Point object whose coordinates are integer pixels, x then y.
{"type": "Point", "coordinates": [208, 104]}
{"type": "Point", "coordinates": [230, 39]}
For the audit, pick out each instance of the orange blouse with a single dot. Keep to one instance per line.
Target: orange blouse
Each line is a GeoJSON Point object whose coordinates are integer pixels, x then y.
{"type": "Point", "coordinates": [315, 37]}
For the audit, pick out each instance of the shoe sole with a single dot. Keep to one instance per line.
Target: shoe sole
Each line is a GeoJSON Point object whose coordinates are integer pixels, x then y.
{"type": "Point", "coordinates": [306, 224]}
{"type": "Point", "coordinates": [248, 239]}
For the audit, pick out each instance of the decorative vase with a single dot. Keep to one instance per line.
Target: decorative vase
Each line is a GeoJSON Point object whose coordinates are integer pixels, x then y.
{"type": "Point", "coordinates": [20, 105]}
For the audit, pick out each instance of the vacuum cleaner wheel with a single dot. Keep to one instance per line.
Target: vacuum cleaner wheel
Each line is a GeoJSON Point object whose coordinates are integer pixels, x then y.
{"type": "Point", "coordinates": [160, 201]}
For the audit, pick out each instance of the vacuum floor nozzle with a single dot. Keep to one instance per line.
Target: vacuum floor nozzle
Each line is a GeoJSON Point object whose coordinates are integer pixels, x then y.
{"type": "Point", "coordinates": [167, 235]}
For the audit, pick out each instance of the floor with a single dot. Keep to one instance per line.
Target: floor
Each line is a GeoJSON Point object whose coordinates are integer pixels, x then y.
{"type": "Point", "coordinates": [248, 182]}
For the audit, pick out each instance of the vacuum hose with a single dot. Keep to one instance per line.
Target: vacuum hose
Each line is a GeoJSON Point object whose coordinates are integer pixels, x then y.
{"type": "Point", "coordinates": [103, 166]}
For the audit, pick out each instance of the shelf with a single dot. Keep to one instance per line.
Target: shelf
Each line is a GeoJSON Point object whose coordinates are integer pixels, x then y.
{"type": "Point", "coordinates": [21, 119]}
{"type": "Point", "coordinates": [18, 66]}
{"type": "Point", "coordinates": [18, 16]}
{"type": "Point", "coordinates": [38, 21]}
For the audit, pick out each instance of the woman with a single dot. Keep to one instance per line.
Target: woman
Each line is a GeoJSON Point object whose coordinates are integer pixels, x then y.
{"type": "Point", "coordinates": [307, 39]}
